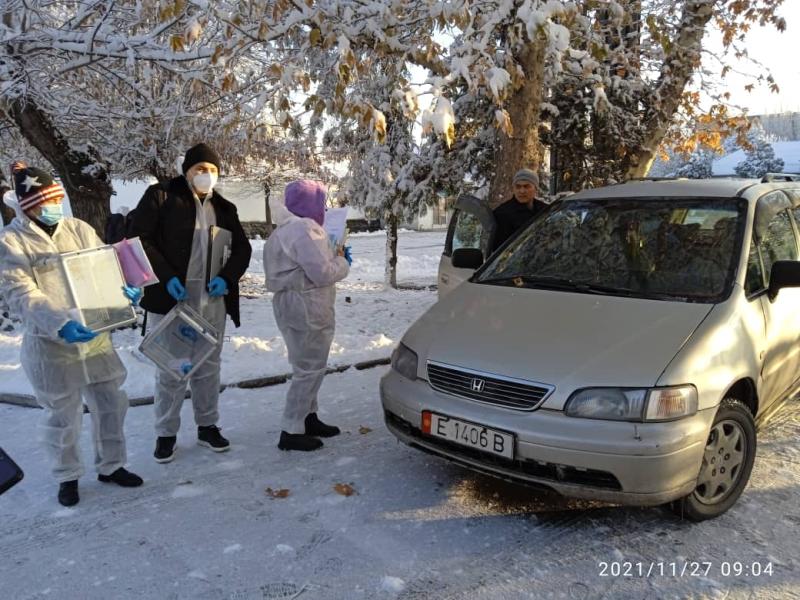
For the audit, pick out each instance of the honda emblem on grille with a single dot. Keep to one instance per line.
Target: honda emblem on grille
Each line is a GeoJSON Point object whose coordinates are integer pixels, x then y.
{"type": "Point", "coordinates": [477, 385]}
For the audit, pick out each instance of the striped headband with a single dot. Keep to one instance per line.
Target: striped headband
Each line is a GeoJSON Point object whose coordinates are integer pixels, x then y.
{"type": "Point", "coordinates": [51, 192]}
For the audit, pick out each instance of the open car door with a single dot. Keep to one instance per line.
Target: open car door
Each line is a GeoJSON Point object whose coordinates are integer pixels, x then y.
{"type": "Point", "coordinates": [469, 239]}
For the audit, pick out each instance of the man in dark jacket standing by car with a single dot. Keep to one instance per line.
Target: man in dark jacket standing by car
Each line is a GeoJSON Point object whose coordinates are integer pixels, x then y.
{"type": "Point", "coordinates": [523, 206]}
{"type": "Point", "coordinates": [173, 221]}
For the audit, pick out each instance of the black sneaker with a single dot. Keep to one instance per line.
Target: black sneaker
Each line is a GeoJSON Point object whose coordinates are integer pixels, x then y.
{"type": "Point", "coordinates": [122, 478]}
{"type": "Point", "coordinates": [210, 437]}
{"type": "Point", "coordinates": [299, 441]}
{"type": "Point", "coordinates": [165, 449]}
{"type": "Point", "coordinates": [317, 428]}
{"type": "Point", "coordinates": [68, 493]}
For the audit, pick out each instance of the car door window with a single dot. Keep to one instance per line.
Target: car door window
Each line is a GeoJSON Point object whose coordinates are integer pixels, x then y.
{"type": "Point", "coordinates": [779, 241]}
{"type": "Point", "coordinates": [754, 279]}
{"type": "Point", "coordinates": [468, 231]}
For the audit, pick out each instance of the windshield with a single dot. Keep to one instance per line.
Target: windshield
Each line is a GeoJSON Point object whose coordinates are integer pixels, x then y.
{"type": "Point", "coordinates": [672, 248]}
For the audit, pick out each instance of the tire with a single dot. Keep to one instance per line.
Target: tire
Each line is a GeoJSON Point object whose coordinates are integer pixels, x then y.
{"type": "Point", "coordinates": [726, 466]}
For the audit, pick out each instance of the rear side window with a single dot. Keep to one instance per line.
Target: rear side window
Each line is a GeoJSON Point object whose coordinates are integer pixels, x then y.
{"type": "Point", "coordinates": [467, 232]}
{"type": "Point", "coordinates": [779, 242]}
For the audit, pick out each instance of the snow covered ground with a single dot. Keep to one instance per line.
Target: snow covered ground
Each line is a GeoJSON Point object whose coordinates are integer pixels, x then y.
{"type": "Point", "coordinates": [258, 523]}
{"type": "Point", "coordinates": [205, 525]}
{"type": "Point", "coordinates": [369, 319]}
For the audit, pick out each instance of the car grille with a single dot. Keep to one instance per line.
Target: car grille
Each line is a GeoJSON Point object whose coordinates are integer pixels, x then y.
{"type": "Point", "coordinates": [483, 387]}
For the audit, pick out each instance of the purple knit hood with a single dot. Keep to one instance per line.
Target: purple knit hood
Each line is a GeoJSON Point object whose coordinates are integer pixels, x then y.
{"type": "Point", "coordinates": [306, 198]}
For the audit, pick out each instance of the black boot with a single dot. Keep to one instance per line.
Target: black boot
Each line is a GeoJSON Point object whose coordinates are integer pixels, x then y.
{"type": "Point", "coordinates": [298, 441]}
{"type": "Point", "coordinates": [68, 493]}
{"type": "Point", "coordinates": [210, 437]}
{"type": "Point", "coordinates": [122, 478]}
{"type": "Point", "coordinates": [317, 428]}
{"type": "Point", "coordinates": [165, 449]}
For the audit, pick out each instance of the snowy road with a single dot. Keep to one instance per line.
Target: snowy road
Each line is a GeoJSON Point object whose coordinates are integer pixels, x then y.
{"type": "Point", "coordinates": [417, 527]}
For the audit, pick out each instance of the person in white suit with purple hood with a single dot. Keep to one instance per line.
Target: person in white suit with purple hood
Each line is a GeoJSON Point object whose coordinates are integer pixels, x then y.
{"type": "Point", "coordinates": [302, 269]}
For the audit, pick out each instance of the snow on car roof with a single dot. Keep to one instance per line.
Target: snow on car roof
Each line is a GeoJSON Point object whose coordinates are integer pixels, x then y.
{"type": "Point", "coordinates": [723, 188]}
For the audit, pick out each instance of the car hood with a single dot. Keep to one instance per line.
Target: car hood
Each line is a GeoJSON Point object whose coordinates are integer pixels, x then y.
{"type": "Point", "coordinates": [565, 339]}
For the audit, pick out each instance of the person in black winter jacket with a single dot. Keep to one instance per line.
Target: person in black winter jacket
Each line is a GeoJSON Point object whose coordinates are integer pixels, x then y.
{"type": "Point", "coordinates": [173, 221]}
{"type": "Point", "coordinates": [515, 213]}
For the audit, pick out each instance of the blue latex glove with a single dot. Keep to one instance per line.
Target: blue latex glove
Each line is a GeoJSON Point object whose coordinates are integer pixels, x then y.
{"type": "Point", "coordinates": [217, 287]}
{"type": "Point", "coordinates": [134, 294]}
{"type": "Point", "coordinates": [176, 290]}
{"type": "Point", "coordinates": [186, 367]}
{"type": "Point", "coordinates": [188, 333]}
{"type": "Point", "coordinates": [73, 332]}
{"type": "Point", "coordinates": [347, 255]}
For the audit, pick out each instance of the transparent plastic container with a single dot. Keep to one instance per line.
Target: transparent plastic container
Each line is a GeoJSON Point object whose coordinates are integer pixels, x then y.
{"type": "Point", "coordinates": [181, 342]}
{"type": "Point", "coordinates": [92, 281]}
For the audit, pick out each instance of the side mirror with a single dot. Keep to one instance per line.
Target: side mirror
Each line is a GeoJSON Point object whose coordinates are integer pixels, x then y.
{"type": "Point", "coordinates": [468, 258]}
{"type": "Point", "coordinates": [784, 274]}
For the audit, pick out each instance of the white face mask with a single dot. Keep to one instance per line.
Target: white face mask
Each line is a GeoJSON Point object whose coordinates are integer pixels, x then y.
{"type": "Point", "coordinates": [204, 182]}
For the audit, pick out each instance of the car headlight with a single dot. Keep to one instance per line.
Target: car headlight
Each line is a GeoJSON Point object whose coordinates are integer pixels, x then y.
{"type": "Point", "coordinates": [621, 404]}
{"type": "Point", "coordinates": [404, 361]}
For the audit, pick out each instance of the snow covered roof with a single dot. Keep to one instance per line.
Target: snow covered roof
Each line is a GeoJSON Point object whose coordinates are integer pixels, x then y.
{"type": "Point", "coordinates": [722, 188]}
{"type": "Point", "coordinates": [788, 151]}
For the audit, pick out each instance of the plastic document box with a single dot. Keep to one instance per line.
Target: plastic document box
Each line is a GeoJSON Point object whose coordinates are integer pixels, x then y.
{"type": "Point", "coordinates": [181, 342]}
{"type": "Point", "coordinates": [93, 281]}
{"type": "Point", "coordinates": [134, 262]}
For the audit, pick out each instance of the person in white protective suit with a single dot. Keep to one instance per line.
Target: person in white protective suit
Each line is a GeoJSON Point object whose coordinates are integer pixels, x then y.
{"type": "Point", "coordinates": [63, 360]}
{"type": "Point", "coordinates": [302, 269]}
{"type": "Point", "coordinates": [173, 221]}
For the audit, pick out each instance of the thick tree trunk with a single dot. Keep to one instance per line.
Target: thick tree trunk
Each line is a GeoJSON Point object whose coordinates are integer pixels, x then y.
{"type": "Point", "coordinates": [267, 209]}
{"type": "Point", "coordinates": [6, 213]}
{"type": "Point", "coordinates": [83, 174]}
{"type": "Point", "coordinates": [521, 149]}
{"type": "Point", "coordinates": [391, 251]}
{"type": "Point", "coordinates": [679, 66]}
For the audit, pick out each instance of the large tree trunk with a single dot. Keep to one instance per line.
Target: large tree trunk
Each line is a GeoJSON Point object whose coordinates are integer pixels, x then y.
{"type": "Point", "coordinates": [6, 212]}
{"type": "Point", "coordinates": [267, 209]}
{"type": "Point", "coordinates": [82, 172]}
{"type": "Point", "coordinates": [521, 149]}
{"type": "Point", "coordinates": [391, 251]}
{"type": "Point", "coordinates": [679, 66]}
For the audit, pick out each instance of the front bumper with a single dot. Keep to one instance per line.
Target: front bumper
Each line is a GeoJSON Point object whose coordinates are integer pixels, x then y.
{"type": "Point", "coordinates": [626, 463]}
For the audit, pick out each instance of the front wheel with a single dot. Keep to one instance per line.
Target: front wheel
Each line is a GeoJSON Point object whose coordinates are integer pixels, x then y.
{"type": "Point", "coordinates": [727, 463]}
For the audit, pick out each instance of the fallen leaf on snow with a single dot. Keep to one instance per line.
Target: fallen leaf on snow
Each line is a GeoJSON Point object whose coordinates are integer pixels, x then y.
{"type": "Point", "coordinates": [344, 489]}
{"type": "Point", "coordinates": [282, 493]}
{"type": "Point", "coordinates": [364, 430]}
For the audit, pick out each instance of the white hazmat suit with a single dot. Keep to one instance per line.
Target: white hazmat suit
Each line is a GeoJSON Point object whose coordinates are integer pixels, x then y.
{"type": "Point", "coordinates": [62, 373]}
{"type": "Point", "coordinates": [302, 270]}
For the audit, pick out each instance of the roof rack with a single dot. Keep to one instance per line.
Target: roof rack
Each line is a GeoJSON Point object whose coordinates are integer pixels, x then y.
{"type": "Point", "coordinates": [780, 177]}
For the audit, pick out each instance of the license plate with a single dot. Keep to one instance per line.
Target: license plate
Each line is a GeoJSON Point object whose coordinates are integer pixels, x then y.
{"type": "Point", "coordinates": [468, 434]}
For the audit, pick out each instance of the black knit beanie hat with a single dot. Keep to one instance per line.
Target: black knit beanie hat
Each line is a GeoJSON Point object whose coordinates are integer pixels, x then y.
{"type": "Point", "coordinates": [200, 153]}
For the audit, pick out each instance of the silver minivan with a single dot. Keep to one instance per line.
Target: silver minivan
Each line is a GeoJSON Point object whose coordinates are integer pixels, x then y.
{"type": "Point", "coordinates": [624, 346]}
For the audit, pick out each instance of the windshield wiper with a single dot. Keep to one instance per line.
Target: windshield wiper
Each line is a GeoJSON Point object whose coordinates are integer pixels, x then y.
{"type": "Point", "coordinates": [584, 287]}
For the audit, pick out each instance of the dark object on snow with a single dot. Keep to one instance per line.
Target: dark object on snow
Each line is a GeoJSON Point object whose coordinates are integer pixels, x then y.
{"type": "Point", "coordinates": [122, 477]}
{"type": "Point", "coordinates": [299, 441]}
{"type": "Point", "coordinates": [165, 449]}
{"type": "Point", "coordinates": [10, 473]}
{"type": "Point", "coordinates": [68, 493]}
{"type": "Point", "coordinates": [210, 437]}
{"type": "Point", "coordinates": [347, 299]}
{"type": "Point", "coordinates": [317, 428]}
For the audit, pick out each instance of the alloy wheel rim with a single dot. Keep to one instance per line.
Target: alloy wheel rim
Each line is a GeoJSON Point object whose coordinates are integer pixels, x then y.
{"type": "Point", "coordinates": [723, 459]}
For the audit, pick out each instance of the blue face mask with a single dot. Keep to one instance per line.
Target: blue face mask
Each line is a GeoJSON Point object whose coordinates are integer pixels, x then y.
{"type": "Point", "coordinates": [51, 213]}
